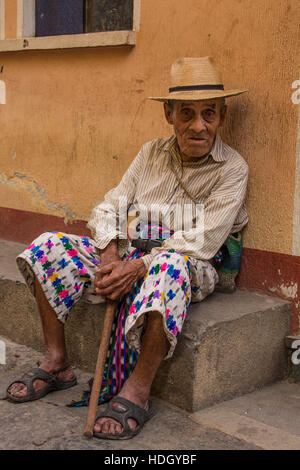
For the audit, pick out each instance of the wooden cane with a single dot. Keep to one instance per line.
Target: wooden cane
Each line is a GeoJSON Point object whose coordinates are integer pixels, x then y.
{"type": "Point", "coordinates": [102, 353]}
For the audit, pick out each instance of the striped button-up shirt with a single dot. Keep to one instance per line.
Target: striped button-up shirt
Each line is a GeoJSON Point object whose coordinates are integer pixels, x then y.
{"type": "Point", "coordinates": [157, 177]}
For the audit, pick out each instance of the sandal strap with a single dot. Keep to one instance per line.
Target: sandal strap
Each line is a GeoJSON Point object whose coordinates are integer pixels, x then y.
{"type": "Point", "coordinates": [122, 405]}
{"type": "Point", "coordinates": [57, 371]}
{"type": "Point", "coordinates": [39, 374]}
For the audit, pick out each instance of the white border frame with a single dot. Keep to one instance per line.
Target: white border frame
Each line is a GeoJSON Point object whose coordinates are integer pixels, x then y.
{"type": "Point", "coordinates": [26, 39]}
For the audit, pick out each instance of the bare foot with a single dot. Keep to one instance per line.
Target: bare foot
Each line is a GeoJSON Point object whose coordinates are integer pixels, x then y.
{"type": "Point", "coordinates": [19, 390]}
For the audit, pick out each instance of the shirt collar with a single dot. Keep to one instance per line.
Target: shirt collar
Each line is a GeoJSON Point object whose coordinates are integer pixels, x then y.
{"type": "Point", "coordinates": [217, 151]}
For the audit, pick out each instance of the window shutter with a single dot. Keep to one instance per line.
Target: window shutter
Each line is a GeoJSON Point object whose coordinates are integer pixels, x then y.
{"type": "Point", "coordinates": [56, 17]}
{"type": "Point", "coordinates": [108, 15]}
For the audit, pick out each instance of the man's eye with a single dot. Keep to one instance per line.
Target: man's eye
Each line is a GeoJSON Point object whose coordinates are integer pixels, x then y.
{"type": "Point", "coordinates": [209, 114]}
{"type": "Point", "coordinates": [186, 113]}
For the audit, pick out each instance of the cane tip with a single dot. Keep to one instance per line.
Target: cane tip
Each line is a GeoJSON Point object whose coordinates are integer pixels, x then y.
{"type": "Point", "coordinates": [88, 433]}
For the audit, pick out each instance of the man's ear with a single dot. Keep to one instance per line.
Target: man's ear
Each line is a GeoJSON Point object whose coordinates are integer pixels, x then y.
{"type": "Point", "coordinates": [223, 114]}
{"type": "Point", "coordinates": [168, 113]}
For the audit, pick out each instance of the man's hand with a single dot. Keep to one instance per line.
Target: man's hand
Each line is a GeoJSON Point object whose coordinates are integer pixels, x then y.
{"type": "Point", "coordinates": [115, 279]}
{"type": "Point", "coordinates": [107, 256]}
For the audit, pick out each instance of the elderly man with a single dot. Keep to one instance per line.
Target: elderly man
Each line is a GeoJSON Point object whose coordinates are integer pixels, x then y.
{"type": "Point", "coordinates": [193, 167]}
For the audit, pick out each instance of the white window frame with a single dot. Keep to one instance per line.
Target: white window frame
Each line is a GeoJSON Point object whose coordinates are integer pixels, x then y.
{"type": "Point", "coordinates": [26, 39]}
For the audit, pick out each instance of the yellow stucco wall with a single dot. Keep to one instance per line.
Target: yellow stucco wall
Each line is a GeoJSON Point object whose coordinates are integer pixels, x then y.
{"type": "Point", "coordinates": [10, 19]}
{"type": "Point", "coordinates": [74, 119]}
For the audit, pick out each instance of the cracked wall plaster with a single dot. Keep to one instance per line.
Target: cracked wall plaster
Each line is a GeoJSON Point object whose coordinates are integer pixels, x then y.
{"type": "Point", "coordinates": [39, 195]}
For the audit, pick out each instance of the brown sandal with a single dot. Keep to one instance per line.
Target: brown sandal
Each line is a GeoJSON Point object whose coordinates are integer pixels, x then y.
{"type": "Point", "coordinates": [121, 409]}
{"type": "Point", "coordinates": [53, 383]}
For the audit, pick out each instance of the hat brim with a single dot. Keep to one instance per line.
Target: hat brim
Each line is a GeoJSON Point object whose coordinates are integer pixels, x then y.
{"type": "Point", "coordinates": [197, 95]}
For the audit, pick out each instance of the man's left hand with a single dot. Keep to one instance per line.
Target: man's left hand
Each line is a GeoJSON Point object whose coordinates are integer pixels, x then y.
{"type": "Point", "coordinates": [117, 278]}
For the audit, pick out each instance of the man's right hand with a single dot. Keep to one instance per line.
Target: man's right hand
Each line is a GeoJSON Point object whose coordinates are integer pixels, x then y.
{"type": "Point", "coordinates": [107, 256]}
{"type": "Point", "coordinates": [117, 278]}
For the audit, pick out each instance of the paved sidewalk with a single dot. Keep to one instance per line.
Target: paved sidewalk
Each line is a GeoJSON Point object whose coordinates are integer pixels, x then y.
{"type": "Point", "coordinates": [49, 424]}
{"type": "Point", "coordinates": [269, 418]}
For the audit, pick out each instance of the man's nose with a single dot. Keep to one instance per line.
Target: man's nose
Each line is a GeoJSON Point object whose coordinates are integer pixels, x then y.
{"type": "Point", "coordinates": [198, 124]}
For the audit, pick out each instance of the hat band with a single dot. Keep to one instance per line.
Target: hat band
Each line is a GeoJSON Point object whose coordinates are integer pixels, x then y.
{"type": "Point", "coordinates": [196, 87]}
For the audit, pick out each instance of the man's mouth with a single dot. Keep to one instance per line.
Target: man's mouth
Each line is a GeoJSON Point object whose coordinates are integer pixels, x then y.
{"type": "Point", "coordinates": [197, 139]}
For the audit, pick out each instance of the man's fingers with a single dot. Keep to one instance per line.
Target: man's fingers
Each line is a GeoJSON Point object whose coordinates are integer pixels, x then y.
{"type": "Point", "coordinates": [117, 294]}
{"type": "Point", "coordinates": [104, 275]}
{"type": "Point", "coordinates": [108, 281]}
{"type": "Point", "coordinates": [115, 279]}
{"type": "Point", "coordinates": [97, 280]}
{"type": "Point", "coordinates": [107, 268]}
{"type": "Point", "coordinates": [112, 295]}
{"type": "Point", "coordinates": [120, 285]}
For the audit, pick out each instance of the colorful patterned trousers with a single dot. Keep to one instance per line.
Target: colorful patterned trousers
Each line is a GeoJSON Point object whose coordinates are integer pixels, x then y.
{"type": "Point", "coordinates": [65, 266]}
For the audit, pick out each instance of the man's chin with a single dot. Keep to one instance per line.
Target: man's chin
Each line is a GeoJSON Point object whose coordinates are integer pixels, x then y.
{"type": "Point", "coordinates": [197, 151]}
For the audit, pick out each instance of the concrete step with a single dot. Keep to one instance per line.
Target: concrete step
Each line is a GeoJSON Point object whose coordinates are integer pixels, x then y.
{"type": "Point", "coordinates": [267, 418]}
{"type": "Point", "coordinates": [230, 344]}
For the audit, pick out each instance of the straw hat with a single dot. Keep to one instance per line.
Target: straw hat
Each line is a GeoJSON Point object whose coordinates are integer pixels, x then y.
{"type": "Point", "coordinates": [195, 79]}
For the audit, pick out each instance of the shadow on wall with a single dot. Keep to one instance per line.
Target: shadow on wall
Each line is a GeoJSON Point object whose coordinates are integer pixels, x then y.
{"type": "Point", "coordinates": [233, 130]}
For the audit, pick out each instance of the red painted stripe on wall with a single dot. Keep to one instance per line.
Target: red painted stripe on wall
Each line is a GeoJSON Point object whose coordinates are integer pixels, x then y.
{"type": "Point", "coordinates": [23, 226]}
{"type": "Point", "coordinates": [275, 274]}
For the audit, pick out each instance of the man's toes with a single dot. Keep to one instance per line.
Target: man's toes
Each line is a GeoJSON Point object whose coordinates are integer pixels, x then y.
{"type": "Point", "coordinates": [100, 425]}
{"type": "Point", "coordinates": [16, 387]}
{"type": "Point", "coordinates": [97, 427]}
{"type": "Point", "coordinates": [115, 428]}
{"type": "Point", "coordinates": [18, 390]}
{"type": "Point", "coordinates": [107, 426]}
{"type": "Point", "coordinates": [112, 428]}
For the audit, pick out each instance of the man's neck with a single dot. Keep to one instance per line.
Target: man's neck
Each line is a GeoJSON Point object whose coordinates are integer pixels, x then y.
{"type": "Point", "coordinates": [186, 158]}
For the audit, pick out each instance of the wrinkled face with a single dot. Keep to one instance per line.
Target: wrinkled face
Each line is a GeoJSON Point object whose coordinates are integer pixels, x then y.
{"type": "Point", "coordinates": [195, 125]}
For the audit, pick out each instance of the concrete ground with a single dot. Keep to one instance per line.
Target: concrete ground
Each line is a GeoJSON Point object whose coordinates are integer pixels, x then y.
{"type": "Point", "coordinates": [264, 419]}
